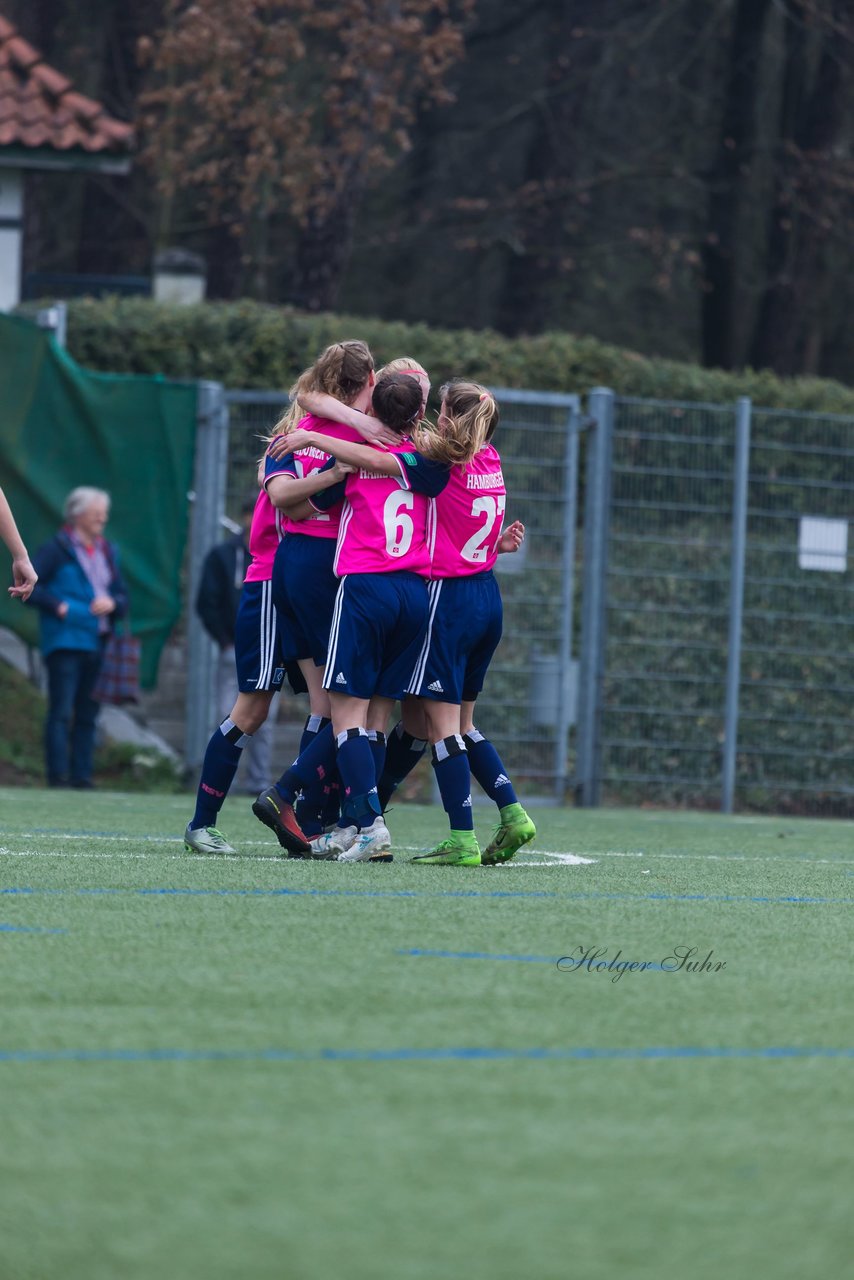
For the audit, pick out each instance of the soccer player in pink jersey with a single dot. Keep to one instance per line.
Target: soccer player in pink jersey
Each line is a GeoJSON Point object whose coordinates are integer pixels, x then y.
{"type": "Point", "coordinates": [465, 629]}
{"type": "Point", "coordinates": [397, 753]}
{"type": "Point", "coordinates": [465, 624]}
{"type": "Point", "coordinates": [261, 665]}
{"type": "Point", "coordinates": [260, 674]}
{"type": "Point", "coordinates": [383, 559]}
{"type": "Point", "coordinates": [304, 584]}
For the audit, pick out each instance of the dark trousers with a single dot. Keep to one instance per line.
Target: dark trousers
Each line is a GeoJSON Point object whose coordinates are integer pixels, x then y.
{"type": "Point", "coordinates": [69, 735]}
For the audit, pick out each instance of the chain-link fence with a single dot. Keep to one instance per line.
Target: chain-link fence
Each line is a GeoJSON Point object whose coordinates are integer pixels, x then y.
{"type": "Point", "coordinates": [796, 731]}
{"type": "Point", "coordinates": [667, 602]}
{"type": "Point", "coordinates": [728, 667]}
{"type": "Point", "coordinates": [702, 562]}
{"type": "Point", "coordinates": [252, 415]}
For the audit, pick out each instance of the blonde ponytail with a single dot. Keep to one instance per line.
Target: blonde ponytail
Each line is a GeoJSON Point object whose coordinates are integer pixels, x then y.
{"type": "Point", "coordinates": [470, 418]}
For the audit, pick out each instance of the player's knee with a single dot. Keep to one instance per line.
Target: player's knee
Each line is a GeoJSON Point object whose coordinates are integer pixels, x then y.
{"type": "Point", "coordinates": [250, 712]}
{"type": "Point", "coordinates": [251, 723]}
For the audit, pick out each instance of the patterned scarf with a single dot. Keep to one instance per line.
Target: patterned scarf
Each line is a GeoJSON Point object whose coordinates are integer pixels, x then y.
{"type": "Point", "coordinates": [95, 564]}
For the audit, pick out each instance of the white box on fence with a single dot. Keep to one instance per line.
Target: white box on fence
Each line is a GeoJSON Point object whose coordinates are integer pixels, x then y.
{"type": "Point", "coordinates": [823, 544]}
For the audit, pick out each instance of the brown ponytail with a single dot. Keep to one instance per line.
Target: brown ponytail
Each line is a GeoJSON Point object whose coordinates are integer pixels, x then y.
{"type": "Point", "coordinates": [340, 370]}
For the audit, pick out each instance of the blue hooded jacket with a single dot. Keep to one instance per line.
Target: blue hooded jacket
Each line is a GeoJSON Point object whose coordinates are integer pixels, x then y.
{"type": "Point", "coordinates": [62, 578]}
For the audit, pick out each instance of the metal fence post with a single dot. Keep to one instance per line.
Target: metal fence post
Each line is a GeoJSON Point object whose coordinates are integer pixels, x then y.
{"type": "Point", "coordinates": [592, 659]}
{"type": "Point", "coordinates": [208, 507]}
{"type": "Point", "coordinates": [736, 599]}
{"type": "Point", "coordinates": [570, 513]}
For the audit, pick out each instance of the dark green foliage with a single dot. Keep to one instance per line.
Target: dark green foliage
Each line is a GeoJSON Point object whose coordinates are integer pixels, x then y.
{"type": "Point", "coordinates": [248, 344]}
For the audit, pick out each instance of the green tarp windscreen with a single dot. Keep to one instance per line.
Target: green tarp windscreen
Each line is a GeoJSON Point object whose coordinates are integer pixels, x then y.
{"type": "Point", "coordinates": [62, 426]}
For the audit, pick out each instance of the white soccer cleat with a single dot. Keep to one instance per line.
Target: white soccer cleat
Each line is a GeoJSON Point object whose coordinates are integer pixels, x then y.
{"type": "Point", "coordinates": [206, 840]}
{"type": "Point", "coordinates": [373, 844]}
{"type": "Point", "coordinates": [332, 844]}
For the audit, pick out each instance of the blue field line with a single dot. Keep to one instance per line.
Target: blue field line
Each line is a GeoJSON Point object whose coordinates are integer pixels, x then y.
{"type": "Point", "coordinates": [459, 1053]}
{"type": "Point", "coordinates": [20, 928]}
{"type": "Point", "coordinates": [286, 892]}
{"type": "Point", "coordinates": [494, 955]}
{"type": "Point", "coordinates": [475, 955]}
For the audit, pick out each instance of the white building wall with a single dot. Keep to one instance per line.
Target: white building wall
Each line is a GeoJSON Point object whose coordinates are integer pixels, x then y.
{"type": "Point", "coordinates": [11, 236]}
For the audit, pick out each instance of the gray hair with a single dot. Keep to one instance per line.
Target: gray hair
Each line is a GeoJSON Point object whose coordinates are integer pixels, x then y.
{"type": "Point", "coordinates": [81, 498]}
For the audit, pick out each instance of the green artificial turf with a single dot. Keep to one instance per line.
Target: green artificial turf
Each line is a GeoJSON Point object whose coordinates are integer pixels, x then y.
{"type": "Point", "coordinates": [264, 1068]}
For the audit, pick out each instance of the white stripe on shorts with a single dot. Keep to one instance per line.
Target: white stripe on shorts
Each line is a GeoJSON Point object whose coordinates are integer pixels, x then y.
{"type": "Point", "coordinates": [332, 648]}
{"type": "Point", "coordinates": [267, 636]}
{"type": "Point", "coordinates": [434, 590]}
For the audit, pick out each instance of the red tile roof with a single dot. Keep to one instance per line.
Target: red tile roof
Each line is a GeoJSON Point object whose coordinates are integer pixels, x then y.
{"type": "Point", "coordinates": [39, 108]}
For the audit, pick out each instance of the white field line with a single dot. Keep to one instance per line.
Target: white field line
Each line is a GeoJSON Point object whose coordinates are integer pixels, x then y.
{"type": "Point", "coordinates": [117, 857]}
{"type": "Point", "coordinates": [97, 835]}
{"type": "Point", "coordinates": [557, 858]}
{"type": "Point", "coordinates": [560, 859]}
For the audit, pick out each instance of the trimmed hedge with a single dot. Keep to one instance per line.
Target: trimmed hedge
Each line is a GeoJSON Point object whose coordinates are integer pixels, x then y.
{"type": "Point", "coordinates": [248, 344]}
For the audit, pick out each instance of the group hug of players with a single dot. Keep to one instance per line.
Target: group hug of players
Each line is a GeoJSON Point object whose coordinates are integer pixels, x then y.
{"type": "Point", "coordinates": [373, 542]}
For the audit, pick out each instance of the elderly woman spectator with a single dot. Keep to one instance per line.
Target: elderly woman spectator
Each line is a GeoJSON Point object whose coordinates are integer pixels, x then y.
{"type": "Point", "coordinates": [79, 594]}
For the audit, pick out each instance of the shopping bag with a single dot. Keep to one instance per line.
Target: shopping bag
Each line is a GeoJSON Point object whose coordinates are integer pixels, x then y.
{"type": "Point", "coordinates": [118, 679]}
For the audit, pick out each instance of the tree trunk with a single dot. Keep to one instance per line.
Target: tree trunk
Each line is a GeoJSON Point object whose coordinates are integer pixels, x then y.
{"type": "Point", "coordinates": [532, 253]}
{"type": "Point", "coordinates": [728, 183]}
{"type": "Point", "coordinates": [810, 123]}
{"type": "Point", "coordinates": [323, 253]}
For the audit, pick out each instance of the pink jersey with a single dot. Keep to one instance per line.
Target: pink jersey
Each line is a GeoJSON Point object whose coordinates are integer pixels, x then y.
{"type": "Point", "coordinates": [263, 540]}
{"type": "Point", "coordinates": [323, 524]}
{"type": "Point", "coordinates": [469, 515]}
{"type": "Point", "coordinates": [385, 525]}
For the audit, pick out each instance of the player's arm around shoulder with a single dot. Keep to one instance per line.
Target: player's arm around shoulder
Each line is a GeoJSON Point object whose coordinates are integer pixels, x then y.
{"type": "Point", "coordinates": [322, 405]}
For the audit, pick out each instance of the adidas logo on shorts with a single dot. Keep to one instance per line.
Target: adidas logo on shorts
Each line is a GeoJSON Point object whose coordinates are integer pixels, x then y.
{"type": "Point", "coordinates": [501, 781]}
{"type": "Point", "coordinates": [436, 687]}
{"type": "Point", "coordinates": [340, 678]}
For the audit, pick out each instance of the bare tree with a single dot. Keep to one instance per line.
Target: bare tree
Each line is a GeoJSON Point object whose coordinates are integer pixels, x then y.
{"type": "Point", "coordinates": [728, 184]}
{"type": "Point", "coordinates": [283, 112]}
{"type": "Point", "coordinates": [813, 197]}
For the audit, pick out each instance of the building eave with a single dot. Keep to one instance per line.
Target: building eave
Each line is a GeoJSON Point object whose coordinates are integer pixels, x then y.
{"type": "Point", "coordinates": [73, 160]}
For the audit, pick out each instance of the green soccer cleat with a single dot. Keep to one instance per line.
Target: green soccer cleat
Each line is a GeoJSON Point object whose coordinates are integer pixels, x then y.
{"type": "Point", "coordinates": [206, 840]}
{"type": "Point", "coordinates": [459, 850]}
{"type": "Point", "coordinates": [515, 830]}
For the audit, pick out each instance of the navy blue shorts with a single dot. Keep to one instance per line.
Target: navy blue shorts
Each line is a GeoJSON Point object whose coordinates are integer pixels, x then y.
{"type": "Point", "coordinates": [257, 652]}
{"type": "Point", "coordinates": [377, 632]}
{"type": "Point", "coordinates": [304, 591]}
{"type": "Point", "coordinates": [466, 617]}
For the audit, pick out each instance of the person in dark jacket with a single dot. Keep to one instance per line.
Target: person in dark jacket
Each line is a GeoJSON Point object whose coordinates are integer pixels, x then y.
{"type": "Point", "coordinates": [217, 599]}
{"type": "Point", "coordinates": [79, 594]}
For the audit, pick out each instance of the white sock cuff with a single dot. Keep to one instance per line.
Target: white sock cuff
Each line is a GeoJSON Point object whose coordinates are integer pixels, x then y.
{"type": "Point", "coordinates": [229, 730]}
{"type": "Point", "coordinates": [453, 745]}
